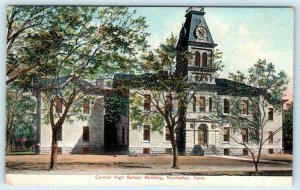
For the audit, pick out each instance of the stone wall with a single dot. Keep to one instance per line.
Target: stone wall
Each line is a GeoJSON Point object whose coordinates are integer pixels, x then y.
{"type": "Point", "coordinates": [72, 142]}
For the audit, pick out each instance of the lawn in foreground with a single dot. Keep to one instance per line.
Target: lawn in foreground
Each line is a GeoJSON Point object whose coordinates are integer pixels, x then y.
{"type": "Point", "coordinates": [148, 165]}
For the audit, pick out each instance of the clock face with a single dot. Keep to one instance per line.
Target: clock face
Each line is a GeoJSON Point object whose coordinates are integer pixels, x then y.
{"type": "Point", "coordinates": [201, 33]}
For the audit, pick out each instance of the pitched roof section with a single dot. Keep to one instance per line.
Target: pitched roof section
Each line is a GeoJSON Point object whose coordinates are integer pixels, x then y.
{"type": "Point", "coordinates": [221, 86]}
{"type": "Point", "coordinates": [194, 18]}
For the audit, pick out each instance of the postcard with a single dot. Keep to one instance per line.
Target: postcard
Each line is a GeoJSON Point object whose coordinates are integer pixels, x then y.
{"type": "Point", "coordinates": [192, 96]}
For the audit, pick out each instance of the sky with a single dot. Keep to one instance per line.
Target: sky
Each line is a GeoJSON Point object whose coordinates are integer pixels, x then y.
{"type": "Point", "coordinates": [244, 35]}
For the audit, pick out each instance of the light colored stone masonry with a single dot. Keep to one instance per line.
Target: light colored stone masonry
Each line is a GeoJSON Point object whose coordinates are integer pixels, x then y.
{"type": "Point", "coordinates": [72, 142]}
{"type": "Point", "coordinates": [157, 143]}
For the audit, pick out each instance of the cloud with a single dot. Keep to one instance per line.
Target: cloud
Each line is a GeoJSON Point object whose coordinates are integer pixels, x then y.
{"type": "Point", "coordinates": [243, 30]}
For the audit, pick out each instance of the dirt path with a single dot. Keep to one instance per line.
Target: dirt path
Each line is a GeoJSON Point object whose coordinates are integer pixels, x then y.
{"type": "Point", "coordinates": [123, 164]}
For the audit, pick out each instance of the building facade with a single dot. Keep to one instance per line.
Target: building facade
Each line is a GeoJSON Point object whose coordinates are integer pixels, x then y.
{"type": "Point", "coordinates": [201, 134]}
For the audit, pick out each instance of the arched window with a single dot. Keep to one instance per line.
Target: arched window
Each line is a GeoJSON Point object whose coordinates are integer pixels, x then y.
{"type": "Point", "coordinates": [202, 104]}
{"type": "Point", "coordinates": [197, 59]}
{"type": "Point", "coordinates": [194, 104]}
{"type": "Point", "coordinates": [210, 105]}
{"type": "Point", "coordinates": [204, 59]}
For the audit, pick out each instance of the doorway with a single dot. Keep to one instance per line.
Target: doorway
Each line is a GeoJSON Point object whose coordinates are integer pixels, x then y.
{"type": "Point", "coordinates": [202, 134]}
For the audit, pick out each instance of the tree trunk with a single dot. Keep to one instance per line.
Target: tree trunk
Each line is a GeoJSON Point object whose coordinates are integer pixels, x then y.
{"type": "Point", "coordinates": [8, 147]}
{"type": "Point", "coordinates": [256, 168]}
{"type": "Point", "coordinates": [175, 153]}
{"type": "Point", "coordinates": [53, 158]}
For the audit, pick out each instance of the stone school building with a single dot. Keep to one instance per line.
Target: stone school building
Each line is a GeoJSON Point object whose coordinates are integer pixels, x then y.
{"type": "Point", "coordinates": [202, 135]}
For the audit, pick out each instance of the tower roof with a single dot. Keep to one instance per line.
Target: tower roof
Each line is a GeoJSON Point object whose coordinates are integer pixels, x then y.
{"type": "Point", "coordinates": [194, 18]}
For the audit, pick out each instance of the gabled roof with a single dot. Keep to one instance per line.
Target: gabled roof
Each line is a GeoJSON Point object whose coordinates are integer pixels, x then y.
{"type": "Point", "coordinates": [221, 86]}
{"type": "Point", "coordinates": [84, 85]}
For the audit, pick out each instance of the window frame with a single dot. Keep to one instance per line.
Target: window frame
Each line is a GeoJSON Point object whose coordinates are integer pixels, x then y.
{"type": "Point", "coordinates": [202, 108]}
{"type": "Point", "coordinates": [197, 62]}
{"type": "Point", "coordinates": [226, 106]}
{"type": "Point", "coordinates": [148, 135]}
{"type": "Point", "coordinates": [245, 136]}
{"type": "Point", "coordinates": [245, 110]}
{"type": "Point", "coordinates": [204, 60]}
{"type": "Point", "coordinates": [194, 104]}
{"type": "Point", "coordinates": [167, 134]}
{"type": "Point", "coordinates": [210, 104]}
{"type": "Point", "coordinates": [270, 137]}
{"type": "Point", "coordinates": [227, 139]}
{"type": "Point", "coordinates": [147, 102]}
{"type": "Point", "coordinates": [271, 114]}
{"type": "Point", "coordinates": [86, 106]}
{"type": "Point", "coordinates": [85, 134]}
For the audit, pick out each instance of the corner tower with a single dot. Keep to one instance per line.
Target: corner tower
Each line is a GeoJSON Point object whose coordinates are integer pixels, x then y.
{"type": "Point", "coordinates": [195, 37]}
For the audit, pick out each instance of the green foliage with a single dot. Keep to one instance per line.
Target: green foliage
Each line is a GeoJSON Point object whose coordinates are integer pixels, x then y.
{"type": "Point", "coordinates": [115, 107]}
{"type": "Point", "coordinates": [20, 116]}
{"type": "Point", "coordinates": [264, 76]}
{"type": "Point", "coordinates": [238, 77]}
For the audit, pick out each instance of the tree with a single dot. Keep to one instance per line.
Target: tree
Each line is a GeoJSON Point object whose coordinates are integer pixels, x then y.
{"type": "Point", "coordinates": [165, 94]}
{"type": "Point", "coordinates": [20, 109]}
{"type": "Point", "coordinates": [288, 128]}
{"type": "Point", "coordinates": [251, 116]}
{"type": "Point", "coordinates": [28, 28]}
{"type": "Point", "coordinates": [95, 41]}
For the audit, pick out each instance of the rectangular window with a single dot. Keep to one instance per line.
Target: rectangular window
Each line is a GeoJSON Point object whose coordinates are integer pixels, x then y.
{"type": "Point", "coordinates": [226, 151]}
{"type": "Point", "coordinates": [270, 114]}
{"type": "Point", "coordinates": [245, 135]}
{"type": "Point", "coordinates": [245, 152]}
{"type": "Point", "coordinates": [147, 101]}
{"type": "Point", "coordinates": [226, 106]}
{"type": "Point", "coordinates": [58, 105]}
{"type": "Point", "coordinates": [146, 133]}
{"type": "Point", "coordinates": [146, 150]}
{"type": "Point", "coordinates": [226, 134]}
{"type": "Point", "coordinates": [192, 126]}
{"type": "Point", "coordinates": [86, 133]}
{"type": "Point", "coordinates": [271, 151]}
{"type": "Point", "coordinates": [202, 104]}
{"type": "Point", "coordinates": [167, 135]}
{"type": "Point", "coordinates": [245, 107]}
{"type": "Point", "coordinates": [210, 105]}
{"type": "Point", "coordinates": [194, 104]}
{"type": "Point", "coordinates": [270, 137]}
{"type": "Point", "coordinates": [86, 106]}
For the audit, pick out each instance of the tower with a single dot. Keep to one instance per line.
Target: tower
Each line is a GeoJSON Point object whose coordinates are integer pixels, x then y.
{"type": "Point", "coordinates": [196, 39]}
{"type": "Point", "coordinates": [194, 60]}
